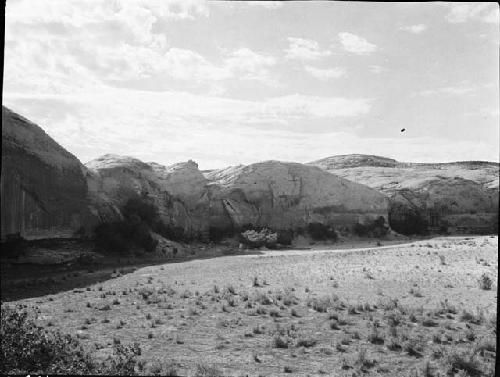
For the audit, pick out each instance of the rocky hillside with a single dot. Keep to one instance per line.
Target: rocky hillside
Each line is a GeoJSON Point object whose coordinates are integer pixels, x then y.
{"type": "Point", "coordinates": [458, 196]}
{"type": "Point", "coordinates": [44, 190]}
{"type": "Point", "coordinates": [178, 191]}
{"type": "Point", "coordinates": [274, 194]}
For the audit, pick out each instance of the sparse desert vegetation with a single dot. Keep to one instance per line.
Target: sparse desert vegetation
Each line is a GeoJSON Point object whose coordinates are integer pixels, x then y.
{"type": "Point", "coordinates": [282, 312]}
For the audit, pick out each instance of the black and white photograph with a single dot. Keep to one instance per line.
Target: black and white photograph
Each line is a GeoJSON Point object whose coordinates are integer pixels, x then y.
{"type": "Point", "coordinates": [210, 188]}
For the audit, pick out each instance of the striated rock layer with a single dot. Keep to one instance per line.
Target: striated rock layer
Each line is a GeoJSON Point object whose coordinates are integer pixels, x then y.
{"type": "Point", "coordinates": [44, 190]}
{"type": "Point", "coordinates": [457, 197]}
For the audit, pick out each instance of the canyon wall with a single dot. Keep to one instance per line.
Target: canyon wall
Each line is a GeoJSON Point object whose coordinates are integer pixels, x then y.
{"type": "Point", "coordinates": [271, 194]}
{"type": "Point", "coordinates": [43, 187]}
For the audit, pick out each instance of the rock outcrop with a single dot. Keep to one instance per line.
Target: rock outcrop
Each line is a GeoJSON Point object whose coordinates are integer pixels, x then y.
{"type": "Point", "coordinates": [290, 195]}
{"type": "Point", "coordinates": [179, 191]}
{"type": "Point", "coordinates": [272, 194]}
{"type": "Point", "coordinates": [44, 190]}
{"type": "Point", "coordinates": [455, 197]}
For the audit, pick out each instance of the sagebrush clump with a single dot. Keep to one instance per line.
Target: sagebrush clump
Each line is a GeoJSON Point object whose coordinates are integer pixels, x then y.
{"type": "Point", "coordinates": [29, 349]}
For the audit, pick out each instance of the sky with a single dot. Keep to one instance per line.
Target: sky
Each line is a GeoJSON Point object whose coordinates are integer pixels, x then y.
{"type": "Point", "coordinates": [225, 83]}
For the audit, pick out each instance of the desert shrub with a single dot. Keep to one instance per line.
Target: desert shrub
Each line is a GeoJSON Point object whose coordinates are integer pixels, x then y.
{"type": "Point", "coordinates": [412, 223]}
{"type": "Point", "coordinates": [375, 228]}
{"type": "Point", "coordinates": [258, 238]}
{"type": "Point", "coordinates": [321, 232]}
{"type": "Point", "coordinates": [280, 342]}
{"type": "Point", "coordinates": [123, 363]}
{"type": "Point", "coordinates": [171, 232]}
{"type": "Point", "coordinates": [485, 282]}
{"type": "Point", "coordinates": [120, 236]}
{"type": "Point", "coordinates": [375, 336]}
{"type": "Point", "coordinates": [205, 370]}
{"type": "Point", "coordinates": [413, 346]}
{"type": "Point", "coordinates": [140, 217]}
{"type": "Point", "coordinates": [285, 237]}
{"type": "Point", "coordinates": [460, 361]}
{"type": "Point", "coordinates": [216, 234]}
{"type": "Point", "coordinates": [29, 349]}
{"type": "Point", "coordinates": [146, 211]}
{"type": "Point", "coordinates": [13, 245]}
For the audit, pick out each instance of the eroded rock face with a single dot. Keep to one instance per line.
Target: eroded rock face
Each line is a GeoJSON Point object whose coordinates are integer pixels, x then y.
{"type": "Point", "coordinates": [457, 197]}
{"type": "Point", "coordinates": [290, 195]}
{"type": "Point", "coordinates": [272, 194]}
{"type": "Point", "coordinates": [178, 191]}
{"type": "Point", "coordinates": [44, 191]}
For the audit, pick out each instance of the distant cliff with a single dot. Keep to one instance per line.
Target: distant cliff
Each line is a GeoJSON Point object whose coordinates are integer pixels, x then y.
{"type": "Point", "coordinates": [44, 190]}
{"type": "Point", "coordinates": [456, 197]}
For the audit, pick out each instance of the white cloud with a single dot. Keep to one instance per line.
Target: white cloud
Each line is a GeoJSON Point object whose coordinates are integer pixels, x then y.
{"type": "Point", "coordinates": [173, 126]}
{"type": "Point", "coordinates": [457, 90]}
{"type": "Point", "coordinates": [223, 110]}
{"type": "Point", "coordinates": [69, 43]}
{"type": "Point", "coordinates": [247, 64]}
{"type": "Point", "coordinates": [356, 44]}
{"type": "Point", "coordinates": [325, 74]}
{"type": "Point", "coordinates": [266, 4]}
{"type": "Point", "coordinates": [377, 69]}
{"type": "Point", "coordinates": [119, 44]}
{"type": "Point", "coordinates": [217, 132]}
{"type": "Point", "coordinates": [462, 12]}
{"type": "Point", "coordinates": [414, 29]}
{"type": "Point", "coordinates": [311, 106]}
{"type": "Point", "coordinates": [305, 49]}
{"type": "Point", "coordinates": [79, 13]}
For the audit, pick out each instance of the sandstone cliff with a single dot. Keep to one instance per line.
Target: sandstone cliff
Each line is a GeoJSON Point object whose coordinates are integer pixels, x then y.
{"type": "Point", "coordinates": [178, 191]}
{"type": "Point", "coordinates": [272, 194]}
{"type": "Point", "coordinates": [459, 196]}
{"type": "Point", "coordinates": [291, 195]}
{"type": "Point", "coordinates": [44, 191]}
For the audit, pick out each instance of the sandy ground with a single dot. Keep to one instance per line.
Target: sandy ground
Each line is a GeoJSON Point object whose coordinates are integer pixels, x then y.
{"type": "Point", "coordinates": [386, 310]}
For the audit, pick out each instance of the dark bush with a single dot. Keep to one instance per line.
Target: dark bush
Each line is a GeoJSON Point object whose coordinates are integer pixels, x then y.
{"type": "Point", "coordinates": [321, 232]}
{"type": "Point", "coordinates": [216, 234]}
{"type": "Point", "coordinates": [146, 211]}
{"type": "Point", "coordinates": [112, 237]}
{"type": "Point", "coordinates": [411, 223]}
{"type": "Point", "coordinates": [29, 349]}
{"type": "Point", "coordinates": [171, 232]}
{"type": "Point", "coordinates": [376, 228]}
{"type": "Point", "coordinates": [285, 237]}
{"type": "Point", "coordinates": [119, 237]}
{"type": "Point", "coordinates": [13, 245]}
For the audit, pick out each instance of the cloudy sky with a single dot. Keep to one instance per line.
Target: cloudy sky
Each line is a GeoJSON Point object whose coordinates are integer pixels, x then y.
{"type": "Point", "coordinates": [225, 83]}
